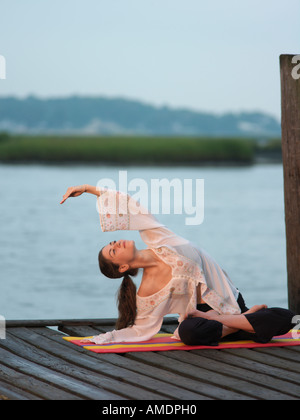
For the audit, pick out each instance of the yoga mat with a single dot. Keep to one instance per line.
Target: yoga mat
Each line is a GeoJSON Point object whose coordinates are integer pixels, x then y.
{"type": "Point", "coordinates": [164, 342]}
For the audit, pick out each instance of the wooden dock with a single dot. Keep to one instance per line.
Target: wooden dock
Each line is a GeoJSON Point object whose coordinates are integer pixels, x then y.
{"type": "Point", "coordinates": [37, 364]}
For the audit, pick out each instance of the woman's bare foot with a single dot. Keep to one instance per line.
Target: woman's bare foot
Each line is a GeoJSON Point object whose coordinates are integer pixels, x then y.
{"type": "Point", "coordinates": [255, 308]}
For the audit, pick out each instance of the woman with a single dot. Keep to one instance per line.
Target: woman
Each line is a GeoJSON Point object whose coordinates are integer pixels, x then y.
{"type": "Point", "coordinates": [178, 278]}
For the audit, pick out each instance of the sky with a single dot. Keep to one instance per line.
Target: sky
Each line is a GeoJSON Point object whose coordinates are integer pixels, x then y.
{"type": "Point", "coordinates": [215, 56]}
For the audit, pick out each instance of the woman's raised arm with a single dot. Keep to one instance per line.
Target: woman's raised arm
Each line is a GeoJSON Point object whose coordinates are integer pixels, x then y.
{"type": "Point", "coordinates": [80, 189]}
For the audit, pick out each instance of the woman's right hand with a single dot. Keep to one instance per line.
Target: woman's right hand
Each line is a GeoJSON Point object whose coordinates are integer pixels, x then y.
{"type": "Point", "coordinates": [73, 192]}
{"type": "Point", "coordinates": [98, 339]}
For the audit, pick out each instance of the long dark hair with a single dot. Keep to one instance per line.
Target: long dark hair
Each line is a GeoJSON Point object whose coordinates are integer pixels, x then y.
{"type": "Point", "coordinates": [126, 294]}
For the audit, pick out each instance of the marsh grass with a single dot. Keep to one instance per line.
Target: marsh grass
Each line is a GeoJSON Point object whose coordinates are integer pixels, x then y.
{"type": "Point", "coordinates": [126, 150]}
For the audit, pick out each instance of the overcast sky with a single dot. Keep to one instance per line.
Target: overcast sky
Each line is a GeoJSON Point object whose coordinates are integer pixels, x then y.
{"type": "Point", "coordinates": [216, 56]}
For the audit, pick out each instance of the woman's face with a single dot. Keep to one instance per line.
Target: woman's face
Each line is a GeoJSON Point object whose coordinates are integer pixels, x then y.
{"type": "Point", "coordinates": [120, 252]}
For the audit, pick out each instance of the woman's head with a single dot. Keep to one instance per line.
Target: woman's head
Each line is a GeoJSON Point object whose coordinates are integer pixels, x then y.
{"type": "Point", "coordinates": [114, 262]}
{"type": "Point", "coordinates": [121, 255]}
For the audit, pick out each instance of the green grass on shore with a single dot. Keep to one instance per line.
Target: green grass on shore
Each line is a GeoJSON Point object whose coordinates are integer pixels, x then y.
{"type": "Point", "coordinates": [126, 150]}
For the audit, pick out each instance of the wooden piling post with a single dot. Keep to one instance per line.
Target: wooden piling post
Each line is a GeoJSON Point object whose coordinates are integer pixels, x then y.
{"type": "Point", "coordinates": [290, 107]}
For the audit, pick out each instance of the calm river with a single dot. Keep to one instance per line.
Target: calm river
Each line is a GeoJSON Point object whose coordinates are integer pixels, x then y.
{"type": "Point", "coordinates": [49, 251]}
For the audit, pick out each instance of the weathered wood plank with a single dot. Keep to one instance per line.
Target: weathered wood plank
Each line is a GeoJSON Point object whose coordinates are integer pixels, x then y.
{"type": "Point", "coordinates": [35, 323]}
{"type": "Point", "coordinates": [207, 374]}
{"type": "Point", "coordinates": [258, 382]}
{"type": "Point", "coordinates": [11, 392]}
{"type": "Point", "coordinates": [146, 387]}
{"type": "Point", "coordinates": [212, 390]}
{"type": "Point", "coordinates": [39, 388]}
{"type": "Point", "coordinates": [169, 326]}
{"type": "Point", "coordinates": [254, 366]}
{"type": "Point", "coordinates": [259, 392]}
{"type": "Point", "coordinates": [32, 323]}
{"type": "Point", "coordinates": [181, 389]}
{"type": "Point", "coordinates": [50, 377]}
{"type": "Point", "coordinates": [280, 352]}
{"type": "Point", "coordinates": [294, 349]}
{"type": "Point", "coordinates": [216, 383]}
{"type": "Point", "coordinates": [197, 382]}
{"type": "Point", "coordinates": [40, 348]}
{"type": "Point", "coordinates": [79, 331]}
{"type": "Point", "coordinates": [267, 359]}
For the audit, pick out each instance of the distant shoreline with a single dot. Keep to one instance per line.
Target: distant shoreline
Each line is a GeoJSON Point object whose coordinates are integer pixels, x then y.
{"type": "Point", "coordinates": [137, 150]}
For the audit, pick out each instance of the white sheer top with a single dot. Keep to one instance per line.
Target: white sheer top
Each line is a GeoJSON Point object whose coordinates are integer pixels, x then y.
{"type": "Point", "coordinates": [190, 266]}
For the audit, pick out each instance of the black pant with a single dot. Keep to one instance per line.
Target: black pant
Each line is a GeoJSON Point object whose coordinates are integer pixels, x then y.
{"type": "Point", "coordinates": [267, 323]}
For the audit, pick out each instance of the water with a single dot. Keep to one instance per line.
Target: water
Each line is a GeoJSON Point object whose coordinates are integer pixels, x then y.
{"type": "Point", "coordinates": [49, 251]}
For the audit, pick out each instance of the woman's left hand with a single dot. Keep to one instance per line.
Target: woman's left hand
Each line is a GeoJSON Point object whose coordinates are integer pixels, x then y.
{"type": "Point", "coordinates": [73, 192]}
